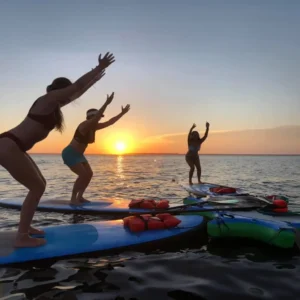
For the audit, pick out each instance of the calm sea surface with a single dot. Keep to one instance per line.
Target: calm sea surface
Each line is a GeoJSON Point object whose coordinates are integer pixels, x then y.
{"type": "Point", "coordinates": [236, 270]}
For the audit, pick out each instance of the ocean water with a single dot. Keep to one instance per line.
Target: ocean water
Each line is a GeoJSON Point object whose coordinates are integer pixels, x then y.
{"type": "Point", "coordinates": [237, 269]}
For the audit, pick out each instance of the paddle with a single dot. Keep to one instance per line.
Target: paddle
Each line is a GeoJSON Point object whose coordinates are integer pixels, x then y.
{"type": "Point", "coordinates": [242, 197]}
{"type": "Point", "coordinates": [232, 199]}
{"type": "Point", "coordinates": [221, 201]}
{"type": "Point", "coordinates": [179, 210]}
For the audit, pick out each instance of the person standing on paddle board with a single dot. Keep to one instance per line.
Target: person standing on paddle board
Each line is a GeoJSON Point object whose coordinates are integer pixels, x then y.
{"type": "Point", "coordinates": [192, 157]}
{"type": "Point", "coordinates": [73, 154]}
{"type": "Point", "coordinates": [44, 115]}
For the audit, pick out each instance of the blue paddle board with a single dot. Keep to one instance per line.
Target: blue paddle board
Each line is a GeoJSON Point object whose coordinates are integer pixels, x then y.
{"type": "Point", "coordinates": [102, 236]}
{"type": "Point", "coordinates": [116, 207]}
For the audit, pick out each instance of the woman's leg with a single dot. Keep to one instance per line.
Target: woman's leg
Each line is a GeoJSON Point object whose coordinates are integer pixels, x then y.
{"type": "Point", "coordinates": [25, 172]}
{"type": "Point", "coordinates": [198, 167]}
{"type": "Point", "coordinates": [36, 167]}
{"type": "Point", "coordinates": [80, 183]}
{"type": "Point", "coordinates": [33, 230]}
{"type": "Point", "coordinates": [190, 162]}
{"type": "Point", "coordinates": [88, 177]}
{"type": "Point", "coordinates": [74, 159]}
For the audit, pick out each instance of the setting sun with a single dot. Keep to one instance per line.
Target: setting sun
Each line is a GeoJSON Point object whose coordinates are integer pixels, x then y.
{"type": "Point", "coordinates": [120, 146]}
{"type": "Point", "coordinates": [117, 143]}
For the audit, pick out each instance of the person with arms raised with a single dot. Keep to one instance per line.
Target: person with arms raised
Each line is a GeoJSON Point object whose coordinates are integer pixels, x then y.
{"type": "Point", "coordinates": [192, 156]}
{"type": "Point", "coordinates": [44, 115]}
{"type": "Point", "coordinates": [73, 154]}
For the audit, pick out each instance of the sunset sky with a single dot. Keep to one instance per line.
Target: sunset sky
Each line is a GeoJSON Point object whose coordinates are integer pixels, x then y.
{"type": "Point", "coordinates": [235, 64]}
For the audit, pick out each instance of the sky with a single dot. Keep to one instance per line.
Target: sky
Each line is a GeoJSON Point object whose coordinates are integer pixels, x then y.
{"type": "Point", "coordinates": [235, 64]}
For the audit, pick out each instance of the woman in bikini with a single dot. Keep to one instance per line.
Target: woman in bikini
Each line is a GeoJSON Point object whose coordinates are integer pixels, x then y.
{"type": "Point", "coordinates": [192, 157]}
{"type": "Point", "coordinates": [44, 116]}
{"type": "Point", "coordinates": [73, 154]}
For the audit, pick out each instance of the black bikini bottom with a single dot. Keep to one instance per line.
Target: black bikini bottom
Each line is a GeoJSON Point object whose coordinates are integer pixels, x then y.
{"type": "Point", "coordinates": [14, 138]}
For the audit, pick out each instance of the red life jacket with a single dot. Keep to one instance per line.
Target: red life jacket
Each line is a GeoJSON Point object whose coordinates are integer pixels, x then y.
{"type": "Point", "coordinates": [280, 205]}
{"type": "Point", "coordinates": [149, 204]}
{"type": "Point", "coordinates": [223, 190]}
{"type": "Point", "coordinates": [162, 204]}
{"type": "Point", "coordinates": [275, 197]}
{"type": "Point", "coordinates": [148, 222]}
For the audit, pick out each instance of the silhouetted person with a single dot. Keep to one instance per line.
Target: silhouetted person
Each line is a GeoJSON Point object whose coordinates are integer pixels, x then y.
{"type": "Point", "coordinates": [192, 157]}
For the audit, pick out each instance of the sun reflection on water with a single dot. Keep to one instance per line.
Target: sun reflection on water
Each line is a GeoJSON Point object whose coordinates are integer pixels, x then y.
{"type": "Point", "coordinates": [120, 173]}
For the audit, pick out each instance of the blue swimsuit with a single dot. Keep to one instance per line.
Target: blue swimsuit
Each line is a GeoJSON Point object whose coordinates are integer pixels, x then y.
{"type": "Point", "coordinates": [71, 156]}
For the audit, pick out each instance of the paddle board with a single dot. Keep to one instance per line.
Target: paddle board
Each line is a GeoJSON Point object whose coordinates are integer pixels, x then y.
{"type": "Point", "coordinates": [103, 236]}
{"type": "Point", "coordinates": [203, 189]}
{"type": "Point", "coordinates": [116, 207]}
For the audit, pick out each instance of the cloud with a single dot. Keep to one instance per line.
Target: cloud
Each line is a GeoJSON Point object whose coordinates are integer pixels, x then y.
{"type": "Point", "coordinates": [166, 137]}
{"type": "Point", "coordinates": [162, 138]}
{"type": "Point", "coordinates": [279, 140]}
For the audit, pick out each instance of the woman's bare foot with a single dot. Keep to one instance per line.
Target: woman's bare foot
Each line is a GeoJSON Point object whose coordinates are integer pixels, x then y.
{"type": "Point", "coordinates": [76, 202]}
{"type": "Point", "coordinates": [190, 183]}
{"type": "Point", "coordinates": [199, 182]}
{"type": "Point", "coordinates": [23, 240]}
{"type": "Point", "coordinates": [84, 200]}
{"type": "Point", "coordinates": [36, 231]}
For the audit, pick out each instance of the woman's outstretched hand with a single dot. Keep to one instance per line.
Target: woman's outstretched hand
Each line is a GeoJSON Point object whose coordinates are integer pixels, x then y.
{"type": "Point", "coordinates": [106, 61]}
{"type": "Point", "coordinates": [125, 109]}
{"type": "Point", "coordinates": [110, 98]}
{"type": "Point", "coordinates": [207, 124]}
{"type": "Point", "coordinates": [194, 126]}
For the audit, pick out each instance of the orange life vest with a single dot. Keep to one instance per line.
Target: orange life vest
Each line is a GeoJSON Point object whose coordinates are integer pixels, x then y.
{"type": "Point", "coordinates": [149, 204]}
{"type": "Point", "coordinates": [276, 197]}
{"type": "Point", "coordinates": [148, 222]}
{"type": "Point", "coordinates": [223, 190]}
{"type": "Point", "coordinates": [279, 203]}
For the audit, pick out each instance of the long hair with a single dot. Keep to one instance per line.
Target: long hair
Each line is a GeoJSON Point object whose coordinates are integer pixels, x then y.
{"type": "Point", "coordinates": [195, 136]}
{"type": "Point", "coordinates": [60, 122]}
{"type": "Point", "coordinates": [59, 83]}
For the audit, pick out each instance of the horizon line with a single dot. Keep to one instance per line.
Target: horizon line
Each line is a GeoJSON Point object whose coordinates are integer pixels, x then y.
{"type": "Point", "coordinates": [206, 154]}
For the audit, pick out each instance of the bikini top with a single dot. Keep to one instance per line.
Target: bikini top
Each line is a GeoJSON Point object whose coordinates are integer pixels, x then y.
{"type": "Point", "coordinates": [49, 121]}
{"type": "Point", "coordinates": [87, 138]}
{"type": "Point", "coordinates": [194, 147]}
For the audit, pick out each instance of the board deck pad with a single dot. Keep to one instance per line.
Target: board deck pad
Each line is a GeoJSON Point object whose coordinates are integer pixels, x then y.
{"type": "Point", "coordinates": [203, 189]}
{"type": "Point", "coordinates": [69, 240]}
